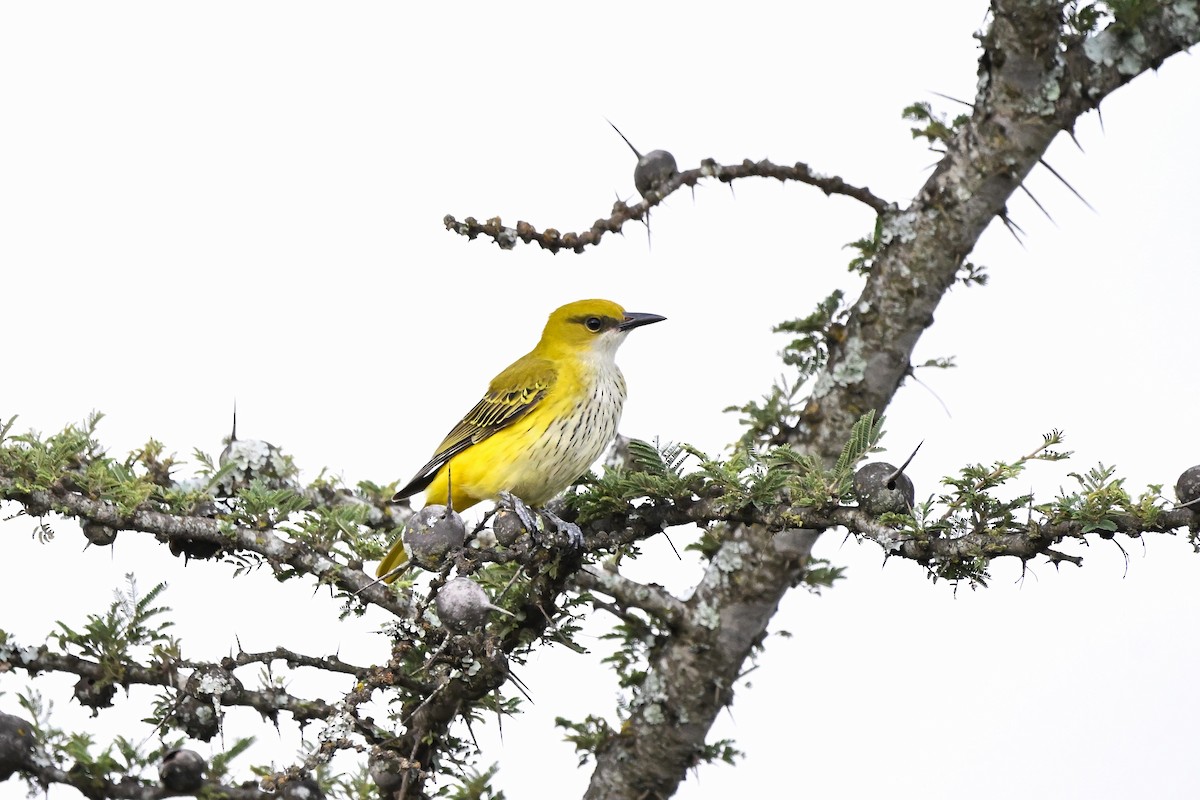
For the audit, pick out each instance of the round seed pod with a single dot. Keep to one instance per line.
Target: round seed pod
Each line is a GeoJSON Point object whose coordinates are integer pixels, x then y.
{"type": "Point", "coordinates": [193, 548]}
{"type": "Point", "coordinates": [508, 528]}
{"type": "Point", "coordinates": [305, 788]}
{"type": "Point", "coordinates": [182, 771]}
{"type": "Point", "coordinates": [93, 694]}
{"type": "Point", "coordinates": [254, 459]}
{"type": "Point", "coordinates": [1187, 488]}
{"type": "Point", "coordinates": [17, 745]}
{"type": "Point", "coordinates": [197, 717]}
{"type": "Point", "coordinates": [99, 535]}
{"type": "Point", "coordinates": [463, 605]}
{"type": "Point", "coordinates": [432, 534]}
{"type": "Point", "coordinates": [212, 681]}
{"type": "Point", "coordinates": [880, 490]}
{"type": "Point", "coordinates": [384, 768]}
{"type": "Point", "coordinates": [652, 170]}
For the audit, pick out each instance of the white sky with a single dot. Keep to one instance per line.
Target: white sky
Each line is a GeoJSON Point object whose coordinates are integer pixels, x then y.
{"type": "Point", "coordinates": [226, 200]}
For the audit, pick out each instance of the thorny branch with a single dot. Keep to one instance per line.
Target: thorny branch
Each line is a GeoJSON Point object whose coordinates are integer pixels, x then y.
{"type": "Point", "coordinates": [278, 552]}
{"type": "Point", "coordinates": [131, 789]}
{"type": "Point", "coordinates": [550, 239]}
{"type": "Point", "coordinates": [267, 702]}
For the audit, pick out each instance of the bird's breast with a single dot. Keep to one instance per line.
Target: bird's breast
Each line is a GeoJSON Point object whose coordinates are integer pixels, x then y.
{"type": "Point", "coordinates": [581, 421]}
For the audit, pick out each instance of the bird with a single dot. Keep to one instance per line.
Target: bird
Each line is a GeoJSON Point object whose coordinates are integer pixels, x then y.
{"type": "Point", "coordinates": [542, 422]}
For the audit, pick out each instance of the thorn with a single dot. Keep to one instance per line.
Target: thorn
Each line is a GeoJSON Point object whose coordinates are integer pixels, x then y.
{"type": "Point", "coordinates": [618, 130]}
{"type": "Point", "coordinates": [1124, 574]}
{"type": "Point", "coordinates": [1076, 141]}
{"type": "Point", "coordinates": [233, 433]}
{"type": "Point", "coordinates": [499, 717]}
{"type": "Point", "coordinates": [471, 730]}
{"type": "Point", "coordinates": [673, 547]}
{"type": "Point", "coordinates": [1188, 504]}
{"type": "Point", "coordinates": [925, 386]}
{"type": "Point", "coordinates": [496, 608]}
{"type": "Point", "coordinates": [900, 469]}
{"type": "Point", "coordinates": [397, 572]}
{"type": "Point", "coordinates": [951, 99]}
{"type": "Point", "coordinates": [1039, 205]}
{"type": "Point", "coordinates": [1054, 172]}
{"type": "Point", "coordinates": [522, 687]}
{"type": "Point", "coordinates": [1013, 228]}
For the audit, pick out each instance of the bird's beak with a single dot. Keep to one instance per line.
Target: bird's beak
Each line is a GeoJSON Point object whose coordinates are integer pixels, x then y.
{"type": "Point", "coordinates": [635, 320]}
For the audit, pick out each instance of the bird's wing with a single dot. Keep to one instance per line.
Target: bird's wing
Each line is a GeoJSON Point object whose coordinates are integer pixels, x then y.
{"type": "Point", "coordinates": [512, 394]}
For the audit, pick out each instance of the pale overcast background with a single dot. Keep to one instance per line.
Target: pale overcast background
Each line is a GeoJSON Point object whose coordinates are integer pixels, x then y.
{"type": "Point", "coordinates": [244, 200]}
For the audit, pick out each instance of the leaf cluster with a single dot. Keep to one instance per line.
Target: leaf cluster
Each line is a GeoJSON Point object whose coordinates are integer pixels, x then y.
{"type": "Point", "coordinates": [355, 523]}
{"type": "Point", "coordinates": [131, 621]}
{"type": "Point", "coordinates": [746, 480]}
{"type": "Point", "coordinates": [934, 127]}
{"type": "Point", "coordinates": [589, 737]}
{"type": "Point", "coordinates": [1100, 499]}
{"type": "Point", "coordinates": [775, 416]}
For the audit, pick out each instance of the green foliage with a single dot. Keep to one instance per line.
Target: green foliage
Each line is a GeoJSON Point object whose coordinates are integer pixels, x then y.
{"type": "Point", "coordinates": [1101, 499]}
{"type": "Point", "coordinates": [970, 274]}
{"type": "Point", "coordinates": [589, 737]}
{"type": "Point", "coordinates": [218, 766]}
{"type": "Point", "coordinates": [864, 439]}
{"type": "Point", "coordinates": [325, 515]}
{"type": "Point", "coordinates": [634, 636]}
{"type": "Point", "coordinates": [110, 638]}
{"type": "Point", "coordinates": [809, 352]}
{"type": "Point", "coordinates": [651, 473]}
{"type": "Point", "coordinates": [1128, 14]}
{"type": "Point", "coordinates": [820, 574]}
{"type": "Point", "coordinates": [973, 503]}
{"type": "Point", "coordinates": [36, 464]}
{"type": "Point", "coordinates": [868, 248]}
{"type": "Point", "coordinates": [120, 760]}
{"type": "Point", "coordinates": [809, 484]}
{"type": "Point", "coordinates": [976, 505]}
{"type": "Point", "coordinates": [773, 418]}
{"type": "Point", "coordinates": [746, 479]}
{"type": "Point", "coordinates": [1082, 19]}
{"type": "Point", "coordinates": [474, 785]}
{"type": "Point", "coordinates": [720, 750]}
{"type": "Point", "coordinates": [932, 126]}
{"type": "Point", "coordinates": [356, 785]}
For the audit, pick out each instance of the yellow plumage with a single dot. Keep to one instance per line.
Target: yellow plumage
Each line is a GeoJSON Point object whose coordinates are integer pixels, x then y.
{"type": "Point", "coordinates": [543, 421]}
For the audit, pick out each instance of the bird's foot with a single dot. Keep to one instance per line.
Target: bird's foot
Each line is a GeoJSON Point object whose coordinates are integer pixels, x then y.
{"type": "Point", "coordinates": [569, 529]}
{"type": "Point", "coordinates": [522, 511]}
{"type": "Point", "coordinates": [528, 517]}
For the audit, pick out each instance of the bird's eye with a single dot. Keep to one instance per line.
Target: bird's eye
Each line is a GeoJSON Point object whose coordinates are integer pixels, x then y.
{"type": "Point", "coordinates": [593, 324]}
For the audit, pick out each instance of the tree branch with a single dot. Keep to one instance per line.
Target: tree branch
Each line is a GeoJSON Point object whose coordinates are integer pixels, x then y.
{"type": "Point", "coordinates": [654, 600]}
{"type": "Point", "coordinates": [268, 703]}
{"type": "Point", "coordinates": [550, 239]}
{"type": "Point", "coordinates": [277, 551]}
{"type": "Point", "coordinates": [134, 789]}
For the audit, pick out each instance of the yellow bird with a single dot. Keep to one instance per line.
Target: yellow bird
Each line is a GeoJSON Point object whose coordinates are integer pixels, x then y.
{"type": "Point", "coordinates": [543, 421]}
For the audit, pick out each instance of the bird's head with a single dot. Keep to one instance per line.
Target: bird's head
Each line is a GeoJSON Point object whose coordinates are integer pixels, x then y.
{"type": "Point", "coordinates": [591, 327]}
